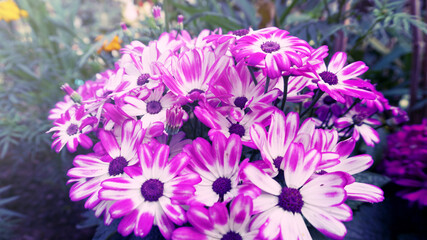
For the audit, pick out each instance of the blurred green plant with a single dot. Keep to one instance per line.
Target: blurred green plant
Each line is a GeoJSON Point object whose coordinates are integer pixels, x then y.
{"type": "Point", "coordinates": [7, 217]}
{"type": "Point", "coordinates": [51, 46]}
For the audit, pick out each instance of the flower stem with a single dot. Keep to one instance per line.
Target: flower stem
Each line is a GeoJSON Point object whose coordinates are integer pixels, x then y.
{"type": "Point", "coordinates": [267, 82]}
{"type": "Point", "coordinates": [285, 92]}
{"type": "Point", "coordinates": [251, 70]}
{"type": "Point", "coordinates": [316, 98]}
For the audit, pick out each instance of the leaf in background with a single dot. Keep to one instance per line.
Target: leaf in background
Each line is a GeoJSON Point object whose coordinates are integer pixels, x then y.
{"type": "Point", "coordinates": [249, 11]}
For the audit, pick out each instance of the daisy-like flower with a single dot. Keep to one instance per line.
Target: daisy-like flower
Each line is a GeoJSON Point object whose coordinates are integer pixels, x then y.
{"type": "Point", "coordinates": [192, 71]}
{"type": "Point", "coordinates": [358, 121]}
{"type": "Point", "coordinates": [272, 50]}
{"type": "Point", "coordinates": [109, 160]}
{"type": "Point", "coordinates": [338, 80]}
{"type": "Point", "coordinates": [281, 208]}
{"type": "Point", "coordinates": [148, 196]}
{"type": "Point", "coordinates": [327, 141]}
{"type": "Point", "coordinates": [227, 124]}
{"type": "Point", "coordinates": [217, 165]}
{"type": "Point", "coordinates": [217, 223]}
{"type": "Point", "coordinates": [283, 131]}
{"type": "Point", "coordinates": [152, 109]}
{"type": "Point", "coordinates": [237, 88]}
{"type": "Point", "coordinates": [71, 128]}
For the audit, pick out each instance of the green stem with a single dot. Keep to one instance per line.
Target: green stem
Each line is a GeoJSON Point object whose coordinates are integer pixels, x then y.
{"type": "Point", "coordinates": [316, 98]}
{"type": "Point", "coordinates": [251, 70]}
{"type": "Point", "coordinates": [285, 92]}
{"type": "Point", "coordinates": [287, 11]}
{"type": "Point", "coordinates": [267, 83]}
{"type": "Point", "coordinates": [356, 101]}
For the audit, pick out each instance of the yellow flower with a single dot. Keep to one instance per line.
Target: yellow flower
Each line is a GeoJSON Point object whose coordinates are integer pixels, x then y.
{"type": "Point", "coordinates": [9, 11]}
{"type": "Point", "coordinates": [108, 47]}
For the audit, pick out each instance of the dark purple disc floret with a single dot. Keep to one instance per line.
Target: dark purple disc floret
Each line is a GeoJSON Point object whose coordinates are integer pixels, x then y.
{"type": "Point", "coordinates": [270, 47]}
{"type": "Point", "coordinates": [152, 190]}
{"type": "Point", "coordinates": [221, 186]}
{"type": "Point", "coordinates": [143, 79]}
{"type": "Point", "coordinates": [72, 129]}
{"type": "Point", "coordinates": [291, 200]}
{"type": "Point", "coordinates": [236, 128]}
{"type": "Point", "coordinates": [329, 78]}
{"type": "Point", "coordinates": [117, 165]}
{"type": "Point", "coordinates": [231, 236]}
{"type": "Point", "coordinates": [154, 107]}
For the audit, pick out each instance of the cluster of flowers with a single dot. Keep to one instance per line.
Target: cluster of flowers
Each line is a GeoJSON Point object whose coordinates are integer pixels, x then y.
{"type": "Point", "coordinates": [250, 171]}
{"type": "Point", "coordinates": [406, 161]}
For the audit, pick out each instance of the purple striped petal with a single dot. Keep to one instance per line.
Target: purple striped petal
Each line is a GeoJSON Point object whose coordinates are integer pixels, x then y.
{"type": "Point", "coordinates": [174, 212]}
{"type": "Point", "coordinates": [144, 223]}
{"type": "Point", "coordinates": [127, 224]}
{"type": "Point", "coordinates": [199, 218]}
{"type": "Point", "coordinates": [240, 212]}
{"type": "Point", "coordinates": [109, 143]}
{"type": "Point", "coordinates": [364, 192]}
{"type": "Point", "coordinates": [123, 207]}
{"type": "Point", "coordinates": [337, 62]}
{"type": "Point", "coordinates": [261, 180]}
{"type": "Point", "coordinates": [218, 214]}
{"type": "Point", "coordinates": [352, 70]}
{"type": "Point", "coordinates": [324, 222]}
{"type": "Point", "coordinates": [188, 233]}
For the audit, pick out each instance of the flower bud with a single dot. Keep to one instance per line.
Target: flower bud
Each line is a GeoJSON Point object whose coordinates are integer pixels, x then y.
{"type": "Point", "coordinates": [73, 94]}
{"type": "Point", "coordinates": [174, 119]}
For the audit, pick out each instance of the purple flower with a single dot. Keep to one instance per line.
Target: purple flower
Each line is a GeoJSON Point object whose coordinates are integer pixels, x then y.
{"type": "Point", "coordinates": [192, 71]}
{"type": "Point", "coordinates": [148, 197]}
{"type": "Point", "coordinates": [338, 81]}
{"type": "Point", "coordinates": [156, 12]}
{"type": "Point", "coordinates": [71, 128]}
{"type": "Point", "coordinates": [218, 223]}
{"type": "Point", "coordinates": [218, 166]}
{"type": "Point", "coordinates": [320, 200]}
{"type": "Point", "coordinates": [272, 50]}
{"type": "Point", "coordinates": [406, 161]}
{"type": "Point", "coordinates": [358, 121]}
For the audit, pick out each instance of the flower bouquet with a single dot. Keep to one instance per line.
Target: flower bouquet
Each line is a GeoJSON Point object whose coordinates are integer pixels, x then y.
{"type": "Point", "coordinates": [243, 135]}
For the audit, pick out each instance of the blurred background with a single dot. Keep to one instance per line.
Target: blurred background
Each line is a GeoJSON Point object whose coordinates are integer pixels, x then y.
{"type": "Point", "coordinates": [46, 43]}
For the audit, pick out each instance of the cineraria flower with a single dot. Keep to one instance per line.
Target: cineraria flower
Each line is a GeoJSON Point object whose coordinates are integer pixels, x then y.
{"type": "Point", "coordinates": [152, 109]}
{"type": "Point", "coordinates": [351, 165]}
{"type": "Point", "coordinates": [217, 223]}
{"type": "Point", "coordinates": [281, 208]}
{"type": "Point", "coordinates": [140, 70]}
{"type": "Point", "coordinates": [227, 124]}
{"type": "Point", "coordinates": [359, 120]}
{"type": "Point", "coordinates": [237, 88]}
{"type": "Point", "coordinates": [272, 50]}
{"type": "Point", "coordinates": [338, 81]}
{"type": "Point", "coordinates": [71, 128]}
{"type": "Point", "coordinates": [110, 160]}
{"type": "Point", "coordinates": [231, 36]}
{"type": "Point", "coordinates": [192, 71]}
{"type": "Point", "coordinates": [283, 131]}
{"type": "Point", "coordinates": [148, 196]}
{"type": "Point", "coordinates": [218, 166]}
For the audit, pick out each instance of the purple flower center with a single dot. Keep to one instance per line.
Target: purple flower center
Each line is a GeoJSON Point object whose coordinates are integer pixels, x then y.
{"type": "Point", "coordinates": [270, 47]}
{"type": "Point", "coordinates": [277, 162]}
{"type": "Point", "coordinates": [358, 119]}
{"type": "Point", "coordinates": [143, 79]}
{"type": "Point", "coordinates": [196, 90]}
{"type": "Point", "coordinates": [321, 172]}
{"type": "Point", "coordinates": [72, 129]}
{"type": "Point", "coordinates": [117, 165]}
{"type": "Point", "coordinates": [240, 102]}
{"type": "Point", "coordinates": [291, 200]}
{"type": "Point", "coordinates": [328, 100]}
{"type": "Point", "coordinates": [241, 32]}
{"type": "Point", "coordinates": [236, 128]}
{"type": "Point", "coordinates": [221, 186]}
{"type": "Point", "coordinates": [154, 107]}
{"type": "Point", "coordinates": [231, 236]}
{"type": "Point", "coordinates": [329, 78]}
{"type": "Point", "coordinates": [152, 190]}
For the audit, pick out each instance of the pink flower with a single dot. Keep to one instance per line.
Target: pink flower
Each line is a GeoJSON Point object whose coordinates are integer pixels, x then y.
{"type": "Point", "coordinates": [217, 223]}
{"type": "Point", "coordinates": [320, 201]}
{"type": "Point", "coordinates": [71, 128]}
{"type": "Point", "coordinates": [272, 50]}
{"type": "Point", "coordinates": [148, 196]}
{"type": "Point", "coordinates": [218, 166]}
{"type": "Point", "coordinates": [338, 81]}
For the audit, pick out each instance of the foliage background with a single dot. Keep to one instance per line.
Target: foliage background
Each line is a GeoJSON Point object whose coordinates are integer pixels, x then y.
{"type": "Point", "coordinates": [56, 44]}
